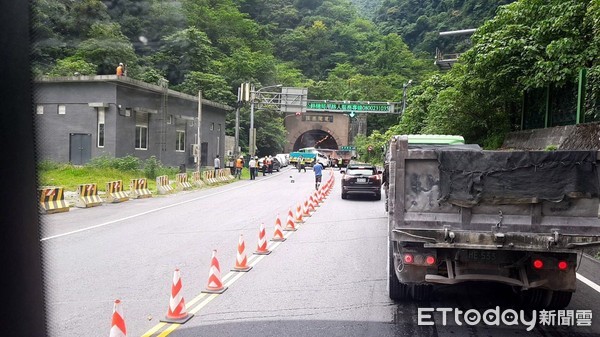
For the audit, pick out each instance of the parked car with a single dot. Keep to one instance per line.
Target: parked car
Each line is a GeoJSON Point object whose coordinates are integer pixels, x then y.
{"type": "Point", "coordinates": [361, 179]}
{"type": "Point", "coordinates": [276, 164]}
{"type": "Point", "coordinates": [282, 159]}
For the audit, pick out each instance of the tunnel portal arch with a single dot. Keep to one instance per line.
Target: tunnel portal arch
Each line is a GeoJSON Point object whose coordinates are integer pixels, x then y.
{"type": "Point", "coordinates": [316, 138]}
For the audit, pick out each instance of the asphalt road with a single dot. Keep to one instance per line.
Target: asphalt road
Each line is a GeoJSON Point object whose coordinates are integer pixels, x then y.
{"type": "Point", "coordinates": [327, 279]}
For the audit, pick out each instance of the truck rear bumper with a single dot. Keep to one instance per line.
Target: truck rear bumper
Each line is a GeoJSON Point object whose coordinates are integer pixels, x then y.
{"type": "Point", "coordinates": [507, 258]}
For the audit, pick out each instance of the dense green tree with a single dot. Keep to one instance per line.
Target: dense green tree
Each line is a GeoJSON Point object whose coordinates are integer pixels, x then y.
{"type": "Point", "coordinates": [418, 22]}
{"type": "Point", "coordinates": [73, 66]}
{"type": "Point", "coordinates": [213, 87]}
{"type": "Point", "coordinates": [106, 47]}
{"type": "Point", "coordinates": [182, 52]}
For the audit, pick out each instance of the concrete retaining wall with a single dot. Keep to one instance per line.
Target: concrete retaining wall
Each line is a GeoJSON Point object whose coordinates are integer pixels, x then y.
{"type": "Point", "coordinates": [570, 137]}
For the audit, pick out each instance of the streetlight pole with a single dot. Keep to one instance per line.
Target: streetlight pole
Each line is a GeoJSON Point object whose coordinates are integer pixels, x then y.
{"type": "Point", "coordinates": [404, 95]}
{"type": "Point", "coordinates": [252, 136]}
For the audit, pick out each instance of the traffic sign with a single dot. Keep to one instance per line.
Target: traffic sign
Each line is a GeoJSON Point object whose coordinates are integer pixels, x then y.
{"type": "Point", "coordinates": [350, 106]}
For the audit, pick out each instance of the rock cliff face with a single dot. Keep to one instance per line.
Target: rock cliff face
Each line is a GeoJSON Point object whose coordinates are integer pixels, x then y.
{"type": "Point", "coordinates": [570, 137]}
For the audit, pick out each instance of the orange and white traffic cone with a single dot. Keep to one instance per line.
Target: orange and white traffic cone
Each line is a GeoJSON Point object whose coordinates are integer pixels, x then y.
{"type": "Point", "coordinates": [117, 328]}
{"type": "Point", "coordinates": [316, 199]}
{"type": "Point", "coordinates": [311, 204]}
{"type": "Point", "coordinates": [177, 312]}
{"type": "Point", "coordinates": [261, 248]}
{"type": "Point", "coordinates": [305, 211]}
{"type": "Point", "coordinates": [241, 261]}
{"type": "Point", "coordinates": [214, 285]}
{"type": "Point", "coordinates": [278, 234]}
{"type": "Point", "coordinates": [299, 218]}
{"type": "Point", "coordinates": [290, 226]}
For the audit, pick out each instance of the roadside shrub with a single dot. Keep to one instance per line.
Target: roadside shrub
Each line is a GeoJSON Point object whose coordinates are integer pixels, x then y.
{"type": "Point", "coordinates": [47, 165]}
{"type": "Point", "coordinates": [101, 162]}
{"type": "Point", "coordinates": [127, 163]}
{"type": "Point", "coordinates": [152, 167]}
{"type": "Point", "coordinates": [551, 148]}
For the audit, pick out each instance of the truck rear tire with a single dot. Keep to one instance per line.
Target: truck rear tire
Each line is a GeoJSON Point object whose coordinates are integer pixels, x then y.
{"type": "Point", "coordinates": [535, 298]}
{"type": "Point", "coordinates": [421, 292]}
{"type": "Point", "coordinates": [560, 300]}
{"type": "Point", "coordinates": [397, 291]}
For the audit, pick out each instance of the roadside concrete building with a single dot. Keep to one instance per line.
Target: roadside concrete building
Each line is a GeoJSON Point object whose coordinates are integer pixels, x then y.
{"type": "Point", "coordinates": [82, 117]}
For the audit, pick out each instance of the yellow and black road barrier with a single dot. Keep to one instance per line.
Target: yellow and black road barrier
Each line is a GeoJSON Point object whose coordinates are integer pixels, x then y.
{"type": "Point", "coordinates": [88, 196]}
{"type": "Point", "coordinates": [182, 181]}
{"type": "Point", "coordinates": [52, 200]}
{"type": "Point", "coordinates": [162, 185]}
{"type": "Point", "coordinates": [197, 179]}
{"type": "Point", "coordinates": [114, 191]}
{"type": "Point", "coordinates": [138, 189]}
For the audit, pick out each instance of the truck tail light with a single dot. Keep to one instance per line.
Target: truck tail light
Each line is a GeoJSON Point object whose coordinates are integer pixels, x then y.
{"type": "Point", "coordinates": [408, 258]}
{"type": "Point", "coordinates": [430, 260]}
{"type": "Point", "coordinates": [563, 265]}
{"type": "Point", "coordinates": [538, 264]}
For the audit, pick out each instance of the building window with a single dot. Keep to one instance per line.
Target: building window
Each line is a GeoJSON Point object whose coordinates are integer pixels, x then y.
{"type": "Point", "coordinates": [62, 109]}
{"type": "Point", "coordinates": [40, 110]}
{"type": "Point", "coordinates": [212, 126]}
{"type": "Point", "coordinates": [100, 127]}
{"type": "Point", "coordinates": [180, 142]}
{"type": "Point", "coordinates": [127, 112]}
{"type": "Point", "coordinates": [141, 131]}
{"type": "Point", "coordinates": [141, 137]}
{"type": "Point", "coordinates": [170, 119]}
{"type": "Point", "coordinates": [219, 128]}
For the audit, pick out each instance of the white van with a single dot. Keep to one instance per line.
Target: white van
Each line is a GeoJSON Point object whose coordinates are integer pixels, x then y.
{"type": "Point", "coordinates": [321, 158]}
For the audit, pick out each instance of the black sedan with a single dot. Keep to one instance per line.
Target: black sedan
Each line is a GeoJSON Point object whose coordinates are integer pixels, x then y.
{"type": "Point", "coordinates": [361, 179]}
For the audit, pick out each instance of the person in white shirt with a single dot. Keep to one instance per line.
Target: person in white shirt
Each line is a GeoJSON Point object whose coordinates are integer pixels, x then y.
{"type": "Point", "coordinates": [252, 166]}
{"type": "Point", "coordinates": [217, 163]}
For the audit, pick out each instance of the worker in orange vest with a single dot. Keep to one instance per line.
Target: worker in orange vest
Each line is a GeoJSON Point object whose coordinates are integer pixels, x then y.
{"type": "Point", "coordinates": [120, 69]}
{"type": "Point", "coordinates": [239, 165]}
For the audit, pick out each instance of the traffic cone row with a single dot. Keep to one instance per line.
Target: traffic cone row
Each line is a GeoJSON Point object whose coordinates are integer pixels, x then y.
{"type": "Point", "coordinates": [177, 312]}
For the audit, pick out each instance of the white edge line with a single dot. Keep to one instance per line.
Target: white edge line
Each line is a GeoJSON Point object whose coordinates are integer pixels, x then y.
{"type": "Point", "coordinates": [588, 282]}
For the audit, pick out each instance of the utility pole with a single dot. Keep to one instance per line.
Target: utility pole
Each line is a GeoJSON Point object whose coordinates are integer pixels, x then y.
{"type": "Point", "coordinates": [404, 95]}
{"type": "Point", "coordinates": [199, 141]}
{"type": "Point", "coordinates": [236, 151]}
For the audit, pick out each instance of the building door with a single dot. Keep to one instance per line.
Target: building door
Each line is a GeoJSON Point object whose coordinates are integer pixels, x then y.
{"type": "Point", "coordinates": [80, 148]}
{"type": "Point", "coordinates": [203, 153]}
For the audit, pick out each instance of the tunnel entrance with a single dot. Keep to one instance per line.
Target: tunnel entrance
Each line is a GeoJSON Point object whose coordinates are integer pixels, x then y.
{"type": "Point", "coordinates": [316, 138]}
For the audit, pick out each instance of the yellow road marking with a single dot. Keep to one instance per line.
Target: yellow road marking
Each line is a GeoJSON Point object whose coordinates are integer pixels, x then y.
{"type": "Point", "coordinates": [154, 329]}
{"type": "Point", "coordinates": [169, 329]}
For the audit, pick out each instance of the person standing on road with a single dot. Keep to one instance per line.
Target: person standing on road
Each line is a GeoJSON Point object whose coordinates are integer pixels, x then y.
{"type": "Point", "coordinates": [318, 169]}
{"type": "Point", "coordinates": [300, 164]}
{"type": "Point", "coordinates": [270, 165]}
{"type": "Point", "coordinates": [265, 166]}
{"type": "Point", "coordinates": [252, 167]}
{"type": "Point", "coordinates": [217, 163]}
{"type": "Point", "coordinates": [239, 165]}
